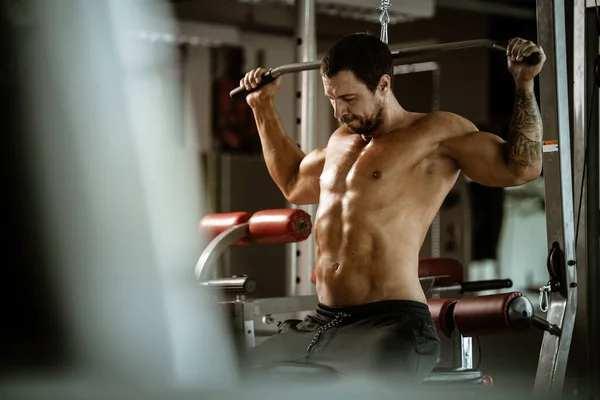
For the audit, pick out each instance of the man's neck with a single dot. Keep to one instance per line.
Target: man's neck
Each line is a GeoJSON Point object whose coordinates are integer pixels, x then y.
{"type": "Point", "coordinates": [394, 116]}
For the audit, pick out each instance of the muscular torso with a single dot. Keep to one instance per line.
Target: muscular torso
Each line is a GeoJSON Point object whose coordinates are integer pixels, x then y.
{"type": "Point", "coordinates": [377, 201]}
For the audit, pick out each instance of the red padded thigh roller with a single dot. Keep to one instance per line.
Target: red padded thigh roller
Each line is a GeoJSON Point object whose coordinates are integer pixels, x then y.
{"type": "Point", "coordinates": [484, 315]}
{"type": "Point", "coordinates": [280, 226]}
{"type": "Point", "coordinates": [434, 266]}
{"type": "Point", "coordinates": [213, 224]}
{"type": "Point", "coordinates": [441, 313]}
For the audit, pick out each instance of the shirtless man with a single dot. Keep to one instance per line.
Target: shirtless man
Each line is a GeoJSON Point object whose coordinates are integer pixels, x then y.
{"type": "Point", "coordinates": [379, 183]}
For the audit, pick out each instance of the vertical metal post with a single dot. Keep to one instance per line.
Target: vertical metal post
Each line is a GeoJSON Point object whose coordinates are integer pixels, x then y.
{"type": "Point", "coordinates": [593, 197]}
{"type": "Point", "coordinates": [303, 253]}
{"type": "Point", "coordinates": [436, 223]}
{"type": "Point", "coordinates": [554, 97]}
{"type": "Point", "coordinates": [579, 351]}
{"type": "Point", "coordinates": [466, 361]}
{"type": "Point", "coordinates": [462, 351]}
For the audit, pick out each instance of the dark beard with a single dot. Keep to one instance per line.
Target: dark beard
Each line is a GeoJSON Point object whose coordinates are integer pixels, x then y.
{"type": "Point", "coordinates": [368, 126]}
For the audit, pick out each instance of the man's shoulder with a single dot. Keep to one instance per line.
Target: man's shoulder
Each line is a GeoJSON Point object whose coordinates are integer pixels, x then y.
{"type": "Point", "coordinates": [341, 132]}
{"type": "Point", "coordinates": [446, 117]}
{"type": "Point", "coordinates": [449, 123]}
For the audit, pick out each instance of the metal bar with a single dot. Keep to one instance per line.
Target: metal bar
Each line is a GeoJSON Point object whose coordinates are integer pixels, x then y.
{"type": "Point", "coordinates": [234, 284]}
{"type": "Point", "coordinates": [400, 56]}
{"type": "Point", "coordinates": [428, 283]}
{"type": "Point", "coordinates": [462, 351]}
{"type": "Point", "coordinates": [249, 333]}
{"type": "Point", "coordinates": [579, 352]}
{"type": "Point", "coordinates": [225, 194]}
{"type": "Point", "coordinates": [436, 224]}
{"type": "Point", "coordinates": [474, 286]}
{"type": "Point", "coordinates": [554, 98]}
{"type": "Point", "coordinates": [592, 200]}
{"type": "Point", "coordinates": [242, 339]}
{"type": "Point", "coordinates": [443, 289]}
{"type": "Point", "coordinates": [204, 266]}
{"type": "Point", "coordinates": [426, 66]}
{"type": "Point", "coordinates": [466, 360]}
{"type": "Point", "coordinates": [488, 7]}
{"type": "Point", "coordinates": [307, 88]}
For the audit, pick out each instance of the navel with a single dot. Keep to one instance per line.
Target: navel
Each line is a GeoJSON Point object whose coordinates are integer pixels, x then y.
{"type": "Point", "coordinates": [376, 174]}
{"type": "Point", "coordinates": [335, 266]}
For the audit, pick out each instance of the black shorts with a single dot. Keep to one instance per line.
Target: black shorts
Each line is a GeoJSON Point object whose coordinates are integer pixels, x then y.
{"type": "Point", "coordinates": [395, 340]}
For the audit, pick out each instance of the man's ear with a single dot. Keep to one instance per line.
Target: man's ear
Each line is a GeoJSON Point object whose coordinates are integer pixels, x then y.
{"type": "Point", "coordinates": [385, 82]}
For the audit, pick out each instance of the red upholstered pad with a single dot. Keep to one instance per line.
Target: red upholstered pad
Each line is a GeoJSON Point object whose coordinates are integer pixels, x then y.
{"type": "Point", "coordinates": [434, 266]}
{"type": "Point", "coordinates": [213, 224]}
{"type": "Point", "coordinates": [441, 312]}
{"type": "Point", "coordinates": [484, 315]}
{"type": "Point", "coordinates": [280, 226]}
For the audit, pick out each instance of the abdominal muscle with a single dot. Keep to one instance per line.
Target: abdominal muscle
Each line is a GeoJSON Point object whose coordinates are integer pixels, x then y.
{"type": "Point", "coordinates": [367, 254]}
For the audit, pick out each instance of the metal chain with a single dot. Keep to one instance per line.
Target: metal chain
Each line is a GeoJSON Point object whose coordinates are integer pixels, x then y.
{"type": "Point", "coordinates": [384, 19]}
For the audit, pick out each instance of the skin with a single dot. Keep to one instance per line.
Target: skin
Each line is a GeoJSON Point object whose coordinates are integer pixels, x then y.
{"type": "Point", "coordinates": [385, 173]}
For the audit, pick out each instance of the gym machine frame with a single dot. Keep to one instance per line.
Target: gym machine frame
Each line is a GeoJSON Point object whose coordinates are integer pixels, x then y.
{"type": "Point", "coordinates": [245, 312]}
{"type": "Point", "coordinates": [586, 171]}
{"type": "Point", "coordinates": [301, 256]}
{"type": "Point", "coordinates": [560, 294]}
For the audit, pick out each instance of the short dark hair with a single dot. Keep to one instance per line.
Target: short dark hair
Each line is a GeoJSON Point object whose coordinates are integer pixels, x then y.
{"type": "Point", "coordinates": [362, 53]}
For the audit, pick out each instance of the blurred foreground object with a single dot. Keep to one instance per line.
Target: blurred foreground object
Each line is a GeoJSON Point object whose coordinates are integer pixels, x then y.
{"type": "Point", "coordinates": [104, 191]}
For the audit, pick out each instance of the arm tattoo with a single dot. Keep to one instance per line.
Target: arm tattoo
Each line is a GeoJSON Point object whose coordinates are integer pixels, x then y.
{"type": "Point", "coordinates": [525, 133]}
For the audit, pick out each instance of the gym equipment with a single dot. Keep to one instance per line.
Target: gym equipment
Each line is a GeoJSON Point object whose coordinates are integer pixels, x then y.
{"type": "Point", "coordinates": [459, 319]}
{"type": "Point", "coordinates": [437, 275]}
{"type": "Point", "coordinates": [586, 182]}
{"type": "Point", "coordinates": [560, 294]}
{"type": "Point", "coordinates": [241, 228]}
{"type": "Point", "coordinates": [400, 55]}
{"type": "Point", "coordinates": [384, 20]}
{"type": "Point", "coordinates": [456, 319]}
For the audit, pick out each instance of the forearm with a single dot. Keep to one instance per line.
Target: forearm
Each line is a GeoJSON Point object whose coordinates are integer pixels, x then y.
{"type": "Point", "coordinates": [524, 152]}
{"type": "Point", "coordinates": [282, 155]}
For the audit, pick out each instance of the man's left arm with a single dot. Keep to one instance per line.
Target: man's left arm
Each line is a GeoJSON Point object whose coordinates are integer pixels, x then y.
{"type": "Point", "coordinates": [486, 158]}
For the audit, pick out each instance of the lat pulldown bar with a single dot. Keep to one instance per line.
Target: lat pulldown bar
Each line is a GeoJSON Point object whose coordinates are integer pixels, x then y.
{"type": "Point", "coordinates": [398, 55]}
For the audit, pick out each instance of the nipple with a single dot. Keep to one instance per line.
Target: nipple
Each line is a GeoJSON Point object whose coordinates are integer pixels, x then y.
{"type": "Point", "coordinates": [376, 174]}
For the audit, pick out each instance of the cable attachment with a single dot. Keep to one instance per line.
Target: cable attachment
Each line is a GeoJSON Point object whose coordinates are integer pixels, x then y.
{"type": "Point", "coordinates": [384, 19]}
{"type": "Point", "coordinates": [544, 300]}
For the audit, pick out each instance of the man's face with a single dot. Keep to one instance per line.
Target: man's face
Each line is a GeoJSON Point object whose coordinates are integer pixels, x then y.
{"type": "Point", "coordinates": [354, 105]}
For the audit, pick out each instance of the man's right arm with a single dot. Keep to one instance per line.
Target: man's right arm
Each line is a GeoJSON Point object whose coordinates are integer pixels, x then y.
{"type": "Point", "coordinates": [296, 174]}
